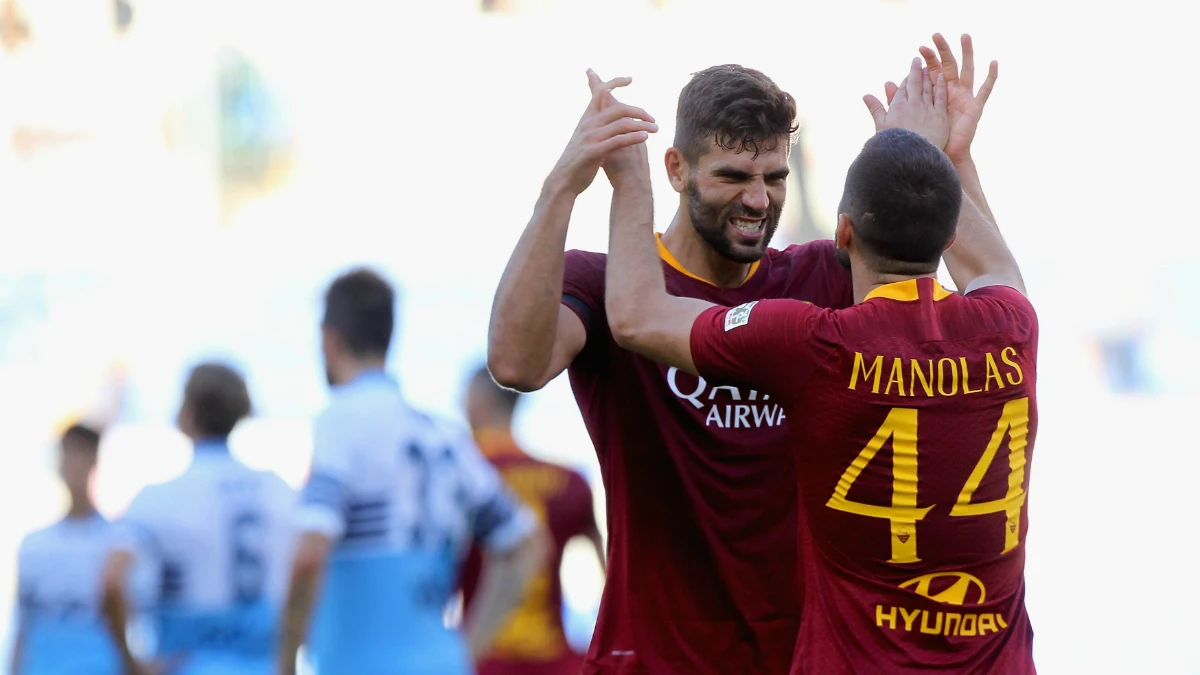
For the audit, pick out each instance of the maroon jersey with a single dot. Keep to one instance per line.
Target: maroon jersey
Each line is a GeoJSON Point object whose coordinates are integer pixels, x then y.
{"type": "Point", "coordinates": [531, 640]}
{"type": "Point", "coordinates": [700, 480]}
{"type": "Point", "coordinates": [914, 416]}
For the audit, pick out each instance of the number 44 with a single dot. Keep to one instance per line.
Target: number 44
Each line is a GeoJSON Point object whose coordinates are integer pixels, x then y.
{"type": "Point", "coordinates": [901, 427]}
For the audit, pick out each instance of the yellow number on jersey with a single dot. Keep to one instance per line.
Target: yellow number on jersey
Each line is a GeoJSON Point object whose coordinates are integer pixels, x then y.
{"type": "Point", "coordinates": [1015, 422]}
{"type": "Point", "coordinates": [901, 426]}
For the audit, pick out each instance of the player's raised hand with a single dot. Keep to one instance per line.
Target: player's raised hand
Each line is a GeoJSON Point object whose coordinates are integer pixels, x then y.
{"type": "Point", "coordinates": [963, 104]}
{"type": "Point", "coordinates": [917, 104]}
{"type": "Point", "coordinates": [630, 162]}
{"type": "Point", "coordinates": [606, 125]}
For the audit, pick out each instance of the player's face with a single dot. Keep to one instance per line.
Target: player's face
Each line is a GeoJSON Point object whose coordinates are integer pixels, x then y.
{"type": "Point", "coordinates": [735, 199]}
{"type": "Point", "coordinates": [75, 465]}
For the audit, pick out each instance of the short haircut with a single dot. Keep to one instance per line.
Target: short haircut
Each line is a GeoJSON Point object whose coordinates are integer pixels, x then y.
{"type": "Point", "coordinates": [360, 306]}
{"type": "Point", "coordinates": [505, 400]}
{"type": "Point", "coordinates": [735, 107]}
{"type": "Point", "coordinates": [217, 399]}
{"type": "Point", "coordinates": [87, 437]}
{"type": "Point", "coordinates": [903, 197]}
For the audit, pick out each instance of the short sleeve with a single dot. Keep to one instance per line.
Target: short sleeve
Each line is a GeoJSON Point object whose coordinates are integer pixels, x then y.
{"type": "Point", "coordinates": [765, 344]}
{"type": "Point", "coordinates": [583, 288]}
{"type": "Point", "coordinates": [1013, 312]}
{"type": "Point", "coordinates": [135, 531]}
{"type": "Point", "coordinates": [497, 520]}
{"type": "Point", "coordinates": [324, 500]}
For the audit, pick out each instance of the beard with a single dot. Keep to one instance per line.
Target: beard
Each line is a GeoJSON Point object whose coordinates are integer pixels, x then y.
{"type": "Point", "coordinates": [710, 222]}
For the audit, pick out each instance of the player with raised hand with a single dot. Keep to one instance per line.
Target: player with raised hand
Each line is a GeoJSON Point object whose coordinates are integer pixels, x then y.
{"type": "Point", "coordinates": [913, 412]}
{"type": "Point", "coordinates": [701, 501]}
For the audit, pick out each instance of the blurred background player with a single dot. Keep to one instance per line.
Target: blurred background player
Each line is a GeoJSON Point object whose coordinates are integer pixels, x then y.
{"type": "Point", "coordinates": [919, 557]}
{"type": "Point", "coordinates": [531, 641]}
{"type": "Point", "coordinates": [392, 503]}
{"type": "Point", "coordinates": [702, 508]}
{"type": "Point", "coordinates": [60, 628]}
{"type": "Point", "coordinates": [219, 538]}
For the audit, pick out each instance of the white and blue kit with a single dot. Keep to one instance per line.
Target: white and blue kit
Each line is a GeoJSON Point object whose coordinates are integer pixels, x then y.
{"type": "Point", "coordinates": [59, 588]}
{"type": "Point", "coordinates": [219, 541]}
{"type": "Point", "coordinates": [402, 497]}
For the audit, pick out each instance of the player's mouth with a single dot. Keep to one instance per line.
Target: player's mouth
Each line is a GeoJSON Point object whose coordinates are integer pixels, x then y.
{"type": "Point", "coordinates": [750, 228]}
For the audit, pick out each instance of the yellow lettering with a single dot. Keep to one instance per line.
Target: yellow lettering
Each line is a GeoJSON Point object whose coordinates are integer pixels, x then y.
{"type": "Point", "coordinates": [925, 624]}
{"type": "Point", "coordinates": [909, 618]}
{"type": "Point", "coordinates": [896, 377]}
{"type": "Point", "coordinates": [1013, 364]}
{"type": "Point", "coordinates": [860, 364]}
{"type": "Point", "coordinates": [880, 617]}
{"type": "Point", "coordinates": [986, 623]}
{"type": "Point", "coordinates": [941, 377]}
{"type": "Point", "coordinates": [968, 625]}
{"type": "Point", "coordinates": [918, 374]}
{"type": "Point", "coordinates": [966, 385]}
{"type": "Point", "coordinates": [956, 619]}
{"type": "Point", "coordinates": [993, 372]}
{"type": "Point", "coordinates": [1000, 620]}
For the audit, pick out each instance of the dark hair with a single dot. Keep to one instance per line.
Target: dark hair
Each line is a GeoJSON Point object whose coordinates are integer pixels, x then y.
{"type": "Point", "coordinates": [360, 306]}
{"type": "Point", "coordinates": [903, 197]}
{"type": "Point", "coordinates": [217, 398]}
{"type": "Point", "coordinates": [738, 108]}
{"type": "Point", "coordinates": [506, 400]}
{"type": "Point", "coordinates": [80, 433]}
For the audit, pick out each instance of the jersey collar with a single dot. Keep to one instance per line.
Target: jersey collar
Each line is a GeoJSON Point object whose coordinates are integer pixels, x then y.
{"type": "Point", "coordinates": [212, 446]}
{"type": "Point", "coordinates": [496, 442]}
{"type": "Point", "coordinates": [910, 290]}
{"type": "Point", "coordinates": [675, 264]}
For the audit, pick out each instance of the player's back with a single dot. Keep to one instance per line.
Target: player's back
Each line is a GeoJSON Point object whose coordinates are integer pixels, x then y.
{"type": "Point", "coordinates": [59, 572]}
{"type": "Point", "coordinates": [532, 640]}
{"type": "Point", "coordinates": [914, 440]}
{"type": "Point", "coordinates": [412, 494]}
{"type": "Point", "coordinates": [219, 538]}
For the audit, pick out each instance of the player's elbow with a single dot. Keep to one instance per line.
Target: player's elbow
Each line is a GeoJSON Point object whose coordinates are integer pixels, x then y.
{"type": "Point", "coordinates": [628, 328]}
{"type": "Point", "coordinates": [510, 373]}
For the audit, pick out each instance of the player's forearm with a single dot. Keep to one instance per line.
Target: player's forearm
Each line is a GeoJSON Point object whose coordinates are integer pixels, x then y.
{"type": "Point", "coordinates": [524, 319]}
{"type": "Point", "coordinates": [979, 250]}
{"type": "Point", "coordinates": [115, 608]}
{"type": "Point", "coordinates": [296, 614]}
{"type": "Point", "coordinates": [968, 175]}
{"type": "Point", "coordinates": [502, 583]}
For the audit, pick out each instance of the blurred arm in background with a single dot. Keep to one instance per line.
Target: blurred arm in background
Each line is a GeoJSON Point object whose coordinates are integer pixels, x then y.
{"type": "Point", "coordinates": [312, 555]}
{"type": "Point", "coordinates": [532, 336]}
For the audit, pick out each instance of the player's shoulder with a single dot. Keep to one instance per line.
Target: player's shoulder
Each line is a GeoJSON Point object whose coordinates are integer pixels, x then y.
{"type": "Point", "coordinates": [1001, 305]}
{"type": "Point", "coordinates": [591, 260]}
{"type": "Point", "coordinates": [40, 539]}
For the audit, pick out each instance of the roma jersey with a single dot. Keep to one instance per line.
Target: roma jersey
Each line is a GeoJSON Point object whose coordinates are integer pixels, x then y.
{"type": "Point", "coordinates": [531, 640]}
{"type": "Point", "coordinates": [700, 481]}
{"type": "Point", "coordinates": [913, 417]}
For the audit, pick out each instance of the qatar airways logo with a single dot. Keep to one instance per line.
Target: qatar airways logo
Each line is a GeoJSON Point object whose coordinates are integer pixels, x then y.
{"type": "Point", "coordinates": [728, 407]}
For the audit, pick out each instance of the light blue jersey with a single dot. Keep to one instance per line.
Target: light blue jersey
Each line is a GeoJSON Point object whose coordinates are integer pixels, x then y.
{"type": "Point", "coordinates": [59, 572]}
{"type": "Point", "coordinates": [219, 539]}
{"type": "Point", "coordinates": [403, 497]}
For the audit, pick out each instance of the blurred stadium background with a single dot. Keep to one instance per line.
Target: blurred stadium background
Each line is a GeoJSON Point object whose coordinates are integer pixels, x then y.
{"type": "Point", "coordinates": [179, 179]}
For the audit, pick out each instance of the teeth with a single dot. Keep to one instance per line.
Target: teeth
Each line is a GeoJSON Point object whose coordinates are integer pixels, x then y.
{"type": "Point", "coordinates": [747, 226]}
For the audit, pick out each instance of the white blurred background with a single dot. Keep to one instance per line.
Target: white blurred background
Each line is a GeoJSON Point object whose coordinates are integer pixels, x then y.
{"type": "Point", "coordinates": [179, 179]}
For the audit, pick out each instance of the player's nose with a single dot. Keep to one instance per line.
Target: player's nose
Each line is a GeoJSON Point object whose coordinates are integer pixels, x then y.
{"type": "Point", "coordinates": [754, 197]}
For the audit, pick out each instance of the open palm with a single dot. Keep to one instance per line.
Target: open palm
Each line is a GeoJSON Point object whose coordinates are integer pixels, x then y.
{"type": "Point", "coordinates": [964, 106]}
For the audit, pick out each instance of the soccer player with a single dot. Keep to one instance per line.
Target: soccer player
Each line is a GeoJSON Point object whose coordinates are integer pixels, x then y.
{"type": "Point", "coordinates": [531, 641]}
{"type": "Point", "coordinates": [702, 508]}
{"type": "Point", "coordinates": [218, 537]}
{"type": "Point", "coordinates": [913, 412]}
{"type": "Point", "coordinates": [59, 625]}
{"type": "Point", "coordinates": [392, 503]}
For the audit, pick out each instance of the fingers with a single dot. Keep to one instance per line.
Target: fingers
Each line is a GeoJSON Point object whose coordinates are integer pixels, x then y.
{"type": "Point", "coordinates": [968, 65]}
{"type": "Point", "coordinates": [926, 87]}
{"type": "Point", "coordinates": [889, 88]}
{"type": "Point", "coordinates": [949, 65]}
{"type": "Point", "coordinates": [875, 107]}
{"type": "Point", "coordinates": [901, 94]}
{"type": "Point", "coordinates": [985, 89]}
{"type": "Point", "coordinates": [601, 89]}
{"type": "Point", "coordinates": [621, 141]}
{"type": "Point", "coordinates": [626, 126]}
{"type": "Point", "coordinates": [914, 81]}
{"type": "Point", "coordinates": [931, 61]}
{"type": "Point", "coordinates": [620, 110]}
{"type": "Point", "coordinates": [939, 93]}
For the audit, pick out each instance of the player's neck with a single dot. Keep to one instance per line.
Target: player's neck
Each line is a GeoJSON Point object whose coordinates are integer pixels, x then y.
{"type": "Point", "coordinates": [866, 281]}
{"type": "Point", "coordinates": [353, 369]}
{"type": "Point", "coordinates": [81, 507]}
{"type": "Point", "coordinates": [698, 258]}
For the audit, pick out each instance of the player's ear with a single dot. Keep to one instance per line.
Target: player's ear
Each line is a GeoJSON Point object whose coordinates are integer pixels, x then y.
{"type": "Point", "coordinates": [844, 233]}
{"type": "Point", "coordinates": [952, 238]}
{"type": "Point", "coordinates": [677, 169]}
